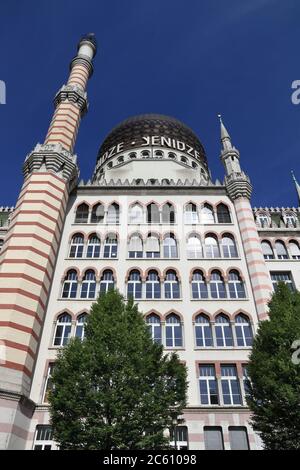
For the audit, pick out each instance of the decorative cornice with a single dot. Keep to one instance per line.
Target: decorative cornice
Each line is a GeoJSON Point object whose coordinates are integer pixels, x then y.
{"type": "Point", "coordinates": [150, 183]}
{"type": "Point", "coordinates": [225, 153]}
{"type": "Point", "coordinates": [238, 185]}
{"type": "Point", "coordinates": [73, 94]}
{"type": "Point", "coordinates": [53, 157]}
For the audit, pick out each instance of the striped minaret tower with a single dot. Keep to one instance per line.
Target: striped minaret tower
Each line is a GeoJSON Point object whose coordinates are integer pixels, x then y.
{"type": "Point", "coordinates": [239, 190]}
{"type": "Point", "coordinates": [28, 257]}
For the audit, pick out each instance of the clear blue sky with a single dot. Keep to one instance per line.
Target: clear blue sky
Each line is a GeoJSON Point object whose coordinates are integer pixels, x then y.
{"type": "Point", "coordinates": [191, 59]}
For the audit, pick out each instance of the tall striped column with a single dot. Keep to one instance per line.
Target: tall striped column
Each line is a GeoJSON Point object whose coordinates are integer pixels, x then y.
{"type": "Point", "coordinates": [28, 256]}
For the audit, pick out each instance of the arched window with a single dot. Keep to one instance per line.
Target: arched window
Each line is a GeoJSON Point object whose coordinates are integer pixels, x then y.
{"type": "Point", "coordinates": [236, 285]}
{"type": "Point", "coordinates": [154, 325]}
{"type": "Point", "coordinates": [267, 250]}
{"type": "Point", "coordinates": [194, 247]}
{"type": "Point", "coordinates": [168, 214]}
{"type": "Point", "coordinates": [93, 248]}
{"type": "Point", "coordinates": [107, 281]}
{"type": "Point", "coordinates": [63, 330]}
{"type": "Point", "coordinates": [223, 331]}
{"type": "Point", "coordinates": [211, 246]}
{"type": "Point", "coordinates": [294, 249]}
{"type": "Point", "coordinates": [172, 156]}
{"type": "Point", "coordinates": [135, 247]}
{"type": "Point", "coordinates": [111, 246]}
{"type": "Point", "coordinates": [223, 214]}
{"type": "Point", "coordinates": [170, 246]}
{"type": "Point", "coordinates": [134, 285]}
{"type": "Point", "coordinates": [133, 155]}
{"type": "Point", "coordinates": [136, 214]}
{"type": "Point", "coordinates": [281, 250]}
{"type": "Point", "coordinates": [152, 247]}
{"type": "Point", "coordinates": [80, 322]}
{"type": "Point", "coordinates": [244, 335]}
{"type": "Point", "coordinates": [159, 153]}
{"type": "Point", "coordinates": [173, 331]}
{"type": "Point", "coordinates": [207, 214]}
{"type": "Point", "coordinates": [153, 285]}
{"type": "Point", "coordinates": [70, 285]}
{"type": "Point", "coordinates": [203, 332]}
{"type": "Point", "coordinates": [113, 214]}
{"type": "Point", "coordinates": [228, 246]}
{"type": "Point", "coordinates": [217, 286]}
{"type": "Point", "coordinates": [191, 214]}
{"type": "Point", "coordinates": [263, 220]}
{"type": "Point", "coordinates": [88, 286]}
{"type": "Point", "coordinates": [145, 153]}
{"type": "Point", "coordinates": [76, 247]}
{"type": "Point", "coordinates": [153, 216]}
{"type": "Point", "coordinates": [171, 285]}
{"type": "Point", "coordinates": [82, 214]}
{"type": "Point", "coordinates": [199, 286]}
{"type": "Point", "coordinates": [97, 216]}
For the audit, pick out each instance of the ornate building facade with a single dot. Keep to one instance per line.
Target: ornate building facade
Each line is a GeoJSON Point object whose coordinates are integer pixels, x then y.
{"type": "Point", "coordinates": [151, 222]}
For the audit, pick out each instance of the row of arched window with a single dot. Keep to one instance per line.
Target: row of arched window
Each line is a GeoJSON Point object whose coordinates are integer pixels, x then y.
{"type": "Point", "coordinates": [219, 333]}
{"type": "Point", "coordinates": [279, 250]}
{"type": "Point", "coordinates": [154, 285]}
{"type": "Point", "coordinates": [152, 246]}
{"type": "Point", "coordinates": [153, 213]}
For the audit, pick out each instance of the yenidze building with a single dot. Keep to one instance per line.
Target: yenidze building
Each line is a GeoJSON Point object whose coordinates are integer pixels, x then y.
{"type": "Point", "coordinates": [151, 222]}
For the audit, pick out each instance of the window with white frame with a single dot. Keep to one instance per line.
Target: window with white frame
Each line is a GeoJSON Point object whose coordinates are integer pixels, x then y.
{"type": "Point", "coordinates": [62, 330]}
{"type": "Point", "coordinates": [199, 285]}
{"type": "Point", "coordinates": [228, 246]}
{"type": "Point", "coordinates": [191, 214]}
{"type": "Point", "coordinates": [173, 331]}
{"type": "Point", "coordinates": [77, 245]}
{"type": "Point", "coordinates": [113, 213]}
{"type": "Point", "coordinates": [70, 284]}
{"type": "Point", "coordinates": [80, 322]}
{"type": "Point", "coordinates": [281, 250]}
{"type": "Point", "coordinates": [153, 289]}
{"type": "Point", "coordinates": [134, 285]}
{"type": "Point", "coordinates": [154, 325]}
{"type": "Point", "coordinates": [211, 247]}
{"type": "Point", "coordinates": [43, 437]}
{"type": "Point", "coordinates": [97, 216]}
{"type": "Point", "coordinates": [236, 285]}
{"type": "Point", "coordinates": [223, 331]}
{"type": "Point", "coordinates": [179, 438]}
{"type": "Point", "coordinates": [135, 247]}
{"type": "Point", "coordinates": [282, 276]}
{"type": "Point", "coordinates": [203, 332]}
{"type": "Point", "coordinates": [107, 281]}
{"type": "Point", "coordinates": [110, 247]}
{"type": "Point", "coordinates": [152, 246]}
{"type": "Point", "coordinates": [267, 250]}
{"type": "Point", "coordinates": [217, 286]}
{"type": "Point", "coordinates": [171, 285]}
{"type": "Point", "coordinates": [243, 330]}
{"type": "Point", "coordinates": [208, 385]}
{"type": "Point", "coordinates": [207, 214]}
{"type": "Point", "coordinates": [93, 247]}
{"type": "Point", "coordinates": [136, 214]}
{"type": "Point", "coordinates": [194, 247]}
{"type": "Point", "coordinates": [170, 247]}
{"type": "Point", "coordinates": [230, 385]}
{"type": "Point", "coordinates": [88, 286]}
{"type": "Point", "coordinates": [294, 249]}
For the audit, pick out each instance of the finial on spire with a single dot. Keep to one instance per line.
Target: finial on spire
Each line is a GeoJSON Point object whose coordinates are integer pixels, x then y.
{"type": "Point", "coordinates": [297, 186]}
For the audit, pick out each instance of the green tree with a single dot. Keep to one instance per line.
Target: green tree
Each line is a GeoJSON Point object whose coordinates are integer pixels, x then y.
{"type": "Point", "coordinates": [274, 373]}
{"type": "Point", "coordinates": [115, 389]}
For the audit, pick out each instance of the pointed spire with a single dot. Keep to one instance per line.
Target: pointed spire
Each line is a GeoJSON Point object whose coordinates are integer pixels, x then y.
{"type": "Point", "coordinates": [225, 137]}
{"type": "Point", "coordinates": [297, 186]}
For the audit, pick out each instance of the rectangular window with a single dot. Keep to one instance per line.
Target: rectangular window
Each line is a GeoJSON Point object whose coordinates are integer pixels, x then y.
{"type": "Point", "coordinates": [284, 276]}
{"type": "Point", "coordinates": [230, 385]}
{"type": "Point", "coordinates": [238, 438]}
{"type": "Point", "coordinates": [213, 438]}
{"type": "Point", "coordinates": [208, 385]}
{"type": "Point", "coordinates": [180, 442]}
{"type": "Point", "coordinates": [43, 438]}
